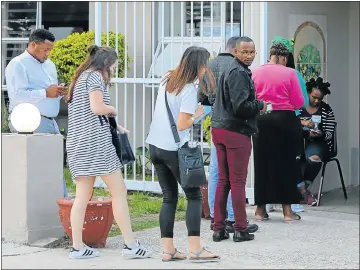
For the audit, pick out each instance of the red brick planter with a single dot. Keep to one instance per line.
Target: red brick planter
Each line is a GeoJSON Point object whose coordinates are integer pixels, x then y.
{"type": "Point", "coordinates": [98, 221]}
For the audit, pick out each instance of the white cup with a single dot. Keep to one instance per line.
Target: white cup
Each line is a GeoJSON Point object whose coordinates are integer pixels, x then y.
{"type": "Point", "coordinates": [269, 107]}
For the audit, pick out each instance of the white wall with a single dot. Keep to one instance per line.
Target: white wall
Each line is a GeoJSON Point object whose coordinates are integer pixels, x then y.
{"type": "Point", "coordinates": [252, 28]}
{"type": "Point", "coordinates": [354, 91]}
{"type": "Point", "coordinates": [343, 88]}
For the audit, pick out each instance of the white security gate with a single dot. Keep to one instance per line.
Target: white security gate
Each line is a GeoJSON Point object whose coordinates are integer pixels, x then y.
{"type": "Point", "coordinates": [156, 34]}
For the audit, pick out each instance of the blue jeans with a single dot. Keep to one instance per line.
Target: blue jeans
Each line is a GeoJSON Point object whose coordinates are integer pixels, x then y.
{"type": "Point", "coordinates": [46, 126]}
{"type": "Point", "coordinates": [213, 181]}
{"type": "Point", "coordinates": [310, 168]}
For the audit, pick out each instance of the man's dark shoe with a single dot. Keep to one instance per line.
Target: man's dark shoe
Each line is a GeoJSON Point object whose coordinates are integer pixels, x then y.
{"type": "Point", "coordinates": [221, 235]}
{"type": "Point", "coordinates": [251, 228]}
{"type": "Point", "coordinates": [212, 224]}
{"type": "Point", "coordinates": [229, 226]}
{"type": "Point", "coordinates": [240, 236]}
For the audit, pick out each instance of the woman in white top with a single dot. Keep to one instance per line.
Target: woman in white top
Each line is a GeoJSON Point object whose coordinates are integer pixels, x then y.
{"type": "Point", "coordinates": [181, 87]}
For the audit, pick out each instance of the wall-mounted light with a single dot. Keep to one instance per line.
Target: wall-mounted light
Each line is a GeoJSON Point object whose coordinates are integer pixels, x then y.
{"type": "Point", "coordinates": [25, 118]}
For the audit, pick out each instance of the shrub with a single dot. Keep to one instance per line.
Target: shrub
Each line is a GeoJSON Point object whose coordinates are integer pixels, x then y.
{"type": "Point", "coordinates": [70, 52]}
{"type": "Point", "coordinates": [5, 121]}
{"type": "Point", "coordinates": [207, 129]}
{"type": "Point", "coordinates": [207, 121]}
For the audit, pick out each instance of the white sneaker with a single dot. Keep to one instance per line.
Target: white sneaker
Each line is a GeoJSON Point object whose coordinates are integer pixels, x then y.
{"type": "Point", "coordinates": [139, 251]}
{"type": "Point", "coordinates": [270, 208]}
{"type": "Point", "coordinates": [297, 208]}
{"type": "Point", "coordinates": [84, 253]}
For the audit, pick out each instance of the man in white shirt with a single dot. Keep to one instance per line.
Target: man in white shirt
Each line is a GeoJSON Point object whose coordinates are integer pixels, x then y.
{"type": "Point", "coordinates": [32, 78]}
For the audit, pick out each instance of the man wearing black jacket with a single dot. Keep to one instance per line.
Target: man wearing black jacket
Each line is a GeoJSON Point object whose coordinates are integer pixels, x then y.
{"type": "Point", "coordinates": [233, 124]}
{"type": "Point", "coordinates": [218, 66]}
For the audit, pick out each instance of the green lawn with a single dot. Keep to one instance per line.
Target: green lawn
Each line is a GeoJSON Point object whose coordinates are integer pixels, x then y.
{"type": "Point", "coordinates": [144, 207]}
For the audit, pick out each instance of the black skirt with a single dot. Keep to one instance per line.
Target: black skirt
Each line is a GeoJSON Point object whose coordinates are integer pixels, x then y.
{"type": "Point", "coordinates": [276, 148]}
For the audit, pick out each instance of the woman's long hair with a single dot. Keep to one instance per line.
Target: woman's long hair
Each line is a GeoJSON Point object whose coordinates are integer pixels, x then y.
{"type": "Point", "coordinates": [290, 61]}
{"type": "Point", "coordinates": [193, 66]}
{"type": "Point", "coordinates": [99, 58]}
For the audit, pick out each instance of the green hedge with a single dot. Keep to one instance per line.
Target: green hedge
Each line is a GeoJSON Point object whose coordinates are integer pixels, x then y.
{"type": "Point", "coordinates": [70, 52]}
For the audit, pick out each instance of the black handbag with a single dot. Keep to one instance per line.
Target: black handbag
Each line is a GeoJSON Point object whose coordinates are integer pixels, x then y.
{"type": "Point", "coordinates": [191, 164]}
{"type": "Point", "coordinates": [120, 141]}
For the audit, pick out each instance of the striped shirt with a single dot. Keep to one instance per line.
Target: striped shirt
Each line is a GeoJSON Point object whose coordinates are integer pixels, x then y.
{"type": "Point", "coordinates": [89, 144]}
{"type": "Point", "coordinates": [327, 124]}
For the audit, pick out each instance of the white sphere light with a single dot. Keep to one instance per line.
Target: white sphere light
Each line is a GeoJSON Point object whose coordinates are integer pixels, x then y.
{"type": "Point", "coordinates": [25, 118]}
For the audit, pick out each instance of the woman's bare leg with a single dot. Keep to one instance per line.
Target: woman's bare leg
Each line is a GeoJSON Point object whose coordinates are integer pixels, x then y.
{"type": "Point", "coordinates": [117, 188]}
{"type": "Point", "coordinates": [288, 213]}
{"type": "Point", "coordinates": [260, 211]}
{"type": "Point", "coordinates": [84, 188]}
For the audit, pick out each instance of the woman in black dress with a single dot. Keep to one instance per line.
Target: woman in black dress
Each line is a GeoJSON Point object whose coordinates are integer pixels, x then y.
{"type": "Point", "coordinates": [276, 145]}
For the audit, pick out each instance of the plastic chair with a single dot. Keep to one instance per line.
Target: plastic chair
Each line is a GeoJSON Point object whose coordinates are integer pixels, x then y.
{"type": "Point", "coordinates": [331, 157]}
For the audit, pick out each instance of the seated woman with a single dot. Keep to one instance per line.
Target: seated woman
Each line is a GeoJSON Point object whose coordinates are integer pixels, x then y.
{"type": "Point", "coordinates": [318, 141]}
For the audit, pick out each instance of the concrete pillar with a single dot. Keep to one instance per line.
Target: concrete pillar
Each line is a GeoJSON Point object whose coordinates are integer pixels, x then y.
{"type": "Point", "coordinates": [253, 17]}
{"type": "Point", "coordinates": [32, 181]}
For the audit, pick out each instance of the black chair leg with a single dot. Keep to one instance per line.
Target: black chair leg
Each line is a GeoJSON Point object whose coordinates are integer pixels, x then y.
{"type": "Point", "coordinates": [341, 178]}
{"type": "Point", "coordinates": [321, 183]}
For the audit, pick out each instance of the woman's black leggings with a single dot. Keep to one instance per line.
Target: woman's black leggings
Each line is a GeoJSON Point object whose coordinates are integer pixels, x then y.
{"type": "Point", "coordinates": [167, 169]}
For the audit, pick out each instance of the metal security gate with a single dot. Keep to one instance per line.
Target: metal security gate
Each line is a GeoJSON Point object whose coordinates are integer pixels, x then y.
{"type": "Point", "coordinates": [155, 35]}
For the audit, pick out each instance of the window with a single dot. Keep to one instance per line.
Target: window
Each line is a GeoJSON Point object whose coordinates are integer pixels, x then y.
{"type": "Point", "coordinates": [65, 18]}
{"type": "Point", "coordinates": [236, 20]}
{"type": "Point", "coordinates": [196, 22]}
{"type": "Point", "coordinates": [19, 18]}
{"type": "Point", "coordinates": [216, 22]}
{"type": "Point", "coordinates": [186, 17]}
{"type": "Point", "coordinates": [310, 51]}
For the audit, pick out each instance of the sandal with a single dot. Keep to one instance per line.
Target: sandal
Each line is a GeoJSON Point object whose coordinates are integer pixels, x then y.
{"type": "Point", "coordinates": [262, 218]}
{"type": "Point", "coordinates": [197, 257]}
{"type": "Point", "coordinates": [173, 257]}
{"type": "Point", "coordinates": [297, 218]}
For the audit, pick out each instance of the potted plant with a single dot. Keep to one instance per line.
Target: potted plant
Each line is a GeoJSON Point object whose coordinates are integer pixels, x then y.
{"type": "Point", "coordinates": [67, 55]}
{"type": "Point", "coordinates": [97, 223]}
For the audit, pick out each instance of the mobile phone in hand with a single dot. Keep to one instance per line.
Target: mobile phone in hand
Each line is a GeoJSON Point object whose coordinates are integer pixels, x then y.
{"type": "Point", "coordinates": [63, 84]}
{"type": "Point", "coordinates": [269, 107]}
{"type": "Point", "coordinates": [315, 160]}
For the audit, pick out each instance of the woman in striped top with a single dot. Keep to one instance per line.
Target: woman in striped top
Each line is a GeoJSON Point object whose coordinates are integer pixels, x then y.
{"type": "Point", "coordinates": [91, 152]}
{"type": "Point", "coordinates": [318, 141]}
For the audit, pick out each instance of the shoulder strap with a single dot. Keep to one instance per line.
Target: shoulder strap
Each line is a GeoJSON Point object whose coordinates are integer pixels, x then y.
{"type": "Point", "coordinates": [172, 122]}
